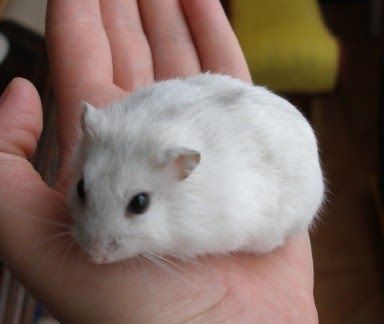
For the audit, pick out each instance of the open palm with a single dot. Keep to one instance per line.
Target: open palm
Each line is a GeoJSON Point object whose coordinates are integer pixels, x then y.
{"type": "Point", "coordinates": [99, 51]}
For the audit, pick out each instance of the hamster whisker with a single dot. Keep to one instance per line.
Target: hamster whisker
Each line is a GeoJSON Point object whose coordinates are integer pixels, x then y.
{"type": "Point", "coordinates": [167, 261]}
{"type": "Point", "coordinates": [144, 260]}
{"type": "Point", "coordinates": [153, 261]}
{"type": "Point", "coordinates": [50, 253]}
{"type": "Point", "coordinates": [70, 246]}
{"type": "Point", "coordinates": [80, 256]}
{"type": "Point", "coordinates": [50, 222]}
{"type": "Point", "coordinates": [52, 238]}
{"type": "Point", "coordinates": [132, 263]}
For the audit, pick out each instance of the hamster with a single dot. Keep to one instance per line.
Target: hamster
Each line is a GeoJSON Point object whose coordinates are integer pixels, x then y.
{"type": "Point", "coordinates": [203, 165]}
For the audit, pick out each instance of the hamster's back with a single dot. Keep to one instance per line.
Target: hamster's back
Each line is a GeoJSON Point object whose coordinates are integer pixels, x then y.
{"type": "Point", "coordinates": [274, 140]}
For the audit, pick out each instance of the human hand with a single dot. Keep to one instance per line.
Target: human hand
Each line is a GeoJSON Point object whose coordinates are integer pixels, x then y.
{"type": "Point", "coordinates": [99, 53]}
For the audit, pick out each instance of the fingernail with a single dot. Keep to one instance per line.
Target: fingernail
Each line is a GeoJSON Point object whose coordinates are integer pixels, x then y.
{"type": "Point", "coordinates": [6, 92]}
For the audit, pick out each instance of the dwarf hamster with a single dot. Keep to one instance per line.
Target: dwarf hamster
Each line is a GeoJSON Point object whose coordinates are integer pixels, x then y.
{"type": "Point", "coordinates": [203, 165]}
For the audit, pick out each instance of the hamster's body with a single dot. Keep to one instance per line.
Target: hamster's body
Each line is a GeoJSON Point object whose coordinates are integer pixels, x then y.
{"type": "Point", "coordinates": [258, 181]}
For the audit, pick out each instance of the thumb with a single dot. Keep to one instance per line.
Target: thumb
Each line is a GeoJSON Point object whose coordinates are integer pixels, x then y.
{"type": "Point", "coordinates": [23, 194]}
{"type": "Point", "coordinates": [20, 118]}
{"type": "Point", "coordinates": [28, 207]}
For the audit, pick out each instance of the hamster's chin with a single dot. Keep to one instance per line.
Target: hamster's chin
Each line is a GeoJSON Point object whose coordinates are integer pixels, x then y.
{"type": "Point", "coordinates": [110, 258]}
{"type": "Point", "coordinates": [103, 258]}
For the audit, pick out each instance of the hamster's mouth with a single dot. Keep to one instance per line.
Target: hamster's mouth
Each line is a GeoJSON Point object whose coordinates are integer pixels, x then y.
{"type": "Point", "coordinates": [99, 257]}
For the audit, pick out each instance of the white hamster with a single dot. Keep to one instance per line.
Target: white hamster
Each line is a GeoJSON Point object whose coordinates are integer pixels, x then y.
{"type": "Point", "coordinates": [186, 167]}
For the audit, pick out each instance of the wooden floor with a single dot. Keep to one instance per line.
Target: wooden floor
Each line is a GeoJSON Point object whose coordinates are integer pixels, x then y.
{"type": "Point", "coordinates": [348, 251]}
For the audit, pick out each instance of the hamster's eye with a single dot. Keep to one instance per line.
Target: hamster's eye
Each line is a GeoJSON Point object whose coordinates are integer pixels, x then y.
{"type": "Point", "coordinates": [80, 189]}
{"type": "Point", "coordinates": [139, 203]}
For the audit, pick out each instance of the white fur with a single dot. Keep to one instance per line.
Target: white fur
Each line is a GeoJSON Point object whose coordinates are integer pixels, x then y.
{"type": "Point", "coordinates": [258, 180]}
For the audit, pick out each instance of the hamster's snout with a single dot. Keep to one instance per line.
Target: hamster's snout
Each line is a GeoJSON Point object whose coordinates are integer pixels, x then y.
{"type": "Point", "coordinates": [99, 251]}
{"type": "Point", "coordinates": [98, 247]}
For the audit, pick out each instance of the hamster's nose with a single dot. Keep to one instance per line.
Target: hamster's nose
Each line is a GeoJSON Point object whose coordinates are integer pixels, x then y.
{"type": "Point", "coordinates": [111, 245]}
{"type": "Point", "coordinates": [100, 250]}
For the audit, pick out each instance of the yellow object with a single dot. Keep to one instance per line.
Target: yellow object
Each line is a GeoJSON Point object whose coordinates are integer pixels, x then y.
{"type": "Point", "coordinates": [287, 45]}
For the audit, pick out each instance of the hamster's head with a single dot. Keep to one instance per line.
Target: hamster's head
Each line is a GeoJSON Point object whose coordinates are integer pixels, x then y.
{"type": "Point", "coordinates": [121, 197]}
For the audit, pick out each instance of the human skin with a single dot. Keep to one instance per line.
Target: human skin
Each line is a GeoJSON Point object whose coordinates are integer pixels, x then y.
{"type": "Point", "coordinates": [99, 52]}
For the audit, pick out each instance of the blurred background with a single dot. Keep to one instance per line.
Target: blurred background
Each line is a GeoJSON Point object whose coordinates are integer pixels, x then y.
{"type": "Point", "coordinates": [325, 56]}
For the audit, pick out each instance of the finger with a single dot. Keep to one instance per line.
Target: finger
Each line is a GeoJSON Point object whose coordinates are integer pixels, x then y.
{"type": "Point", "coordinates": [216, 43]}
{"type": "Point", "coordinates": [132, 61]}
{"type": "Point", "coordinates": [77, 43]}
{"type": "Point", "coordinates": [24, 197]}
{"type": "Point", "coordinates": [28, 208]}
{"type": "Point", "coordinates": [80, 58]}
{"type": "Point", "coordinates": [171, 44]}
{"type": "Point", "coordinates": [20, 118]}
{"type": "Point", "coordinates": [26, 203]}
{"type": "Point", "coordinates": [21, 186]}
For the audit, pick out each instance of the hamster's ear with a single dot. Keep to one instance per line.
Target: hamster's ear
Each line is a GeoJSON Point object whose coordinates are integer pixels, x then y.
{"type": "Point", "coordinates": [182, 160]}
{"type": "Point", "coordinates": [88, 118]}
